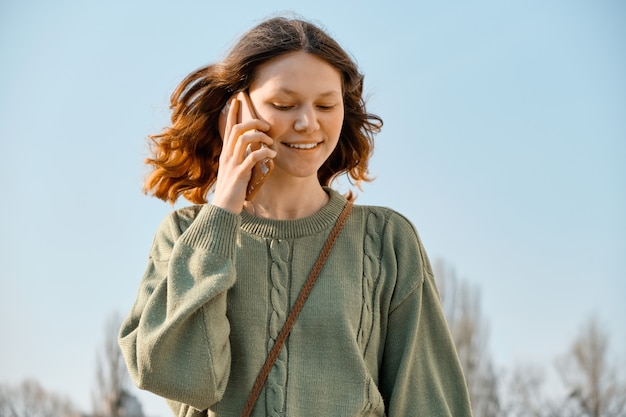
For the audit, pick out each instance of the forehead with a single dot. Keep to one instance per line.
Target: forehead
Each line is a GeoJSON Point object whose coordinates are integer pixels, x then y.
{"type": "Point", "coordinates": [298, 72]}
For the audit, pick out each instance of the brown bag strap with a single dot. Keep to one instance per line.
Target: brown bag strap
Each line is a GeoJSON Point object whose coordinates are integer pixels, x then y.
{"type": "Point", "coordinates": [295, 311]}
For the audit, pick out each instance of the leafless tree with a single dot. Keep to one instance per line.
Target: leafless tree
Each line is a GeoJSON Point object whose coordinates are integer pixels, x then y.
{"type": "Point", "coordinates": [525, 394]}
{"type": "Point", "coordinates": [596, 389]}
{"type": "Point", "coordinates": [30, 399]}
{"type": "Point", "coordinates": [111, 396]}
{"type": "Point", "coordinates": [462, 306]}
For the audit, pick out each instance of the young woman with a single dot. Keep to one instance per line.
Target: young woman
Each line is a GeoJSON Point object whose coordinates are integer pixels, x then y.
{"type": "Point", "coordinates": [371, 339]}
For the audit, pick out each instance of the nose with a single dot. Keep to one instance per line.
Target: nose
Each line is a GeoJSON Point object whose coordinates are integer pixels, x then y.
{"type": "Point", "coordinates": [306, 120]}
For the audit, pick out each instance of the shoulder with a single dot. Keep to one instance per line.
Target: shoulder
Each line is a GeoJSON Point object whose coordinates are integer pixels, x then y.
{"type": "Point", "coordinates": [176, 222]}
{"type": "Point", "coordinates": [183, 217]}
{"type": "Point", "coordinates": [386, 222]}
{"type": "Point", "coordinates": [395, 240]}
{"type": "Point", "coordinates": [171, 228]}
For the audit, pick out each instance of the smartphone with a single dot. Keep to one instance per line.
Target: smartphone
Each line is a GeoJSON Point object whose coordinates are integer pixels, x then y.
{"type": "Point", "coordinates": [261, 169]}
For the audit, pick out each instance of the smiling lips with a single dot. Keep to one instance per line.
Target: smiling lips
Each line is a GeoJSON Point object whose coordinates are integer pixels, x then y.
{"type": "Point", "coordinates": [302, 145]}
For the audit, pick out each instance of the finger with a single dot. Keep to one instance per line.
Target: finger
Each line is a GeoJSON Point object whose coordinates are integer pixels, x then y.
{"type": "Point", "coordinates": [231, 121]}
{"type": "Point", "coordinates": [250, 140]}
{"type": "Point", "coordinates": [261, 154]}
{"type": "Point", "coordinates": [256, 156]}
{"type": "Point", "coordinates": [253, 125]}
{"type": "Point", "coordinates": [237, 130]}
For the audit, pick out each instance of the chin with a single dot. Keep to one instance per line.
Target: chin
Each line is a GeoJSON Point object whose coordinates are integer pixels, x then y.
{"type": "Point", "coordinates": [296, 172]}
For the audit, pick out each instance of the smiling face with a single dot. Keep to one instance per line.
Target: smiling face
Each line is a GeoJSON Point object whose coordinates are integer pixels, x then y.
{"type": "Point", "coordinates": [300, 96]}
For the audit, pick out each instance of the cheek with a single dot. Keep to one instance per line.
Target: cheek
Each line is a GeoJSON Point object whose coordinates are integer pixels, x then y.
{"type": "Point", "coordinates": [335, 125]}
{"type": "Point", "coordinates": [278, 123]}
{"type": "Point", "coordinates": [278, 127]}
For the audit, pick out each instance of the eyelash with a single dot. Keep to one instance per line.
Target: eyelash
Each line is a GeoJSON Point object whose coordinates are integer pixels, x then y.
{"type": "Point", "coordinates": [285, 108]}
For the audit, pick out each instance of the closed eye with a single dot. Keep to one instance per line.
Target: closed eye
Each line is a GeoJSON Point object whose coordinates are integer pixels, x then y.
{"type": "Point", "coordinates": [282, 107]}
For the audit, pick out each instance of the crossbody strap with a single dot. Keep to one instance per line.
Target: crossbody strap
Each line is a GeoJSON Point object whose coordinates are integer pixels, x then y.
{"type": "Point", "coordinates": [295, 311]}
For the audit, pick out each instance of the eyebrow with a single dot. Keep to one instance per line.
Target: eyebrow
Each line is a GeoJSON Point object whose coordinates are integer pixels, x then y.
{"type": "Point", "coordinates": [293, 93]}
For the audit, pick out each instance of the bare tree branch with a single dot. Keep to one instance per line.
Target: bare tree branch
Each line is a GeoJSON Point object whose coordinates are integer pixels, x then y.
{"type": "Point", "coordinates": [590, 376]}
{"type": "Point", "coordinates": [111, 395]}
{"type": "Point", "coordinates": [462, 306]}
{"type": "Point", "coordinates": [30, 399]}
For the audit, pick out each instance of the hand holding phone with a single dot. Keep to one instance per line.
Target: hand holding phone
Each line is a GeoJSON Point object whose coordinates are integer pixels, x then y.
{"type": "Point", "coordinates": [262, 169]}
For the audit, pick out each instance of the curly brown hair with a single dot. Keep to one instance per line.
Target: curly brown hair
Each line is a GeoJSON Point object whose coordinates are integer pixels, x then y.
{"type": "Point", "coordinates": [185, 156]}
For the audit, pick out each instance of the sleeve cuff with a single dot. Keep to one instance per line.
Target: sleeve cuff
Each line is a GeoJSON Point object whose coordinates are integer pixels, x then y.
{"type": "Point", "coordinates": [214, 230]}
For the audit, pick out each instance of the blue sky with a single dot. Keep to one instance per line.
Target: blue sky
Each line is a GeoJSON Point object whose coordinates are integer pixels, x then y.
{"type": "Point", "coordinates": [504, 143]}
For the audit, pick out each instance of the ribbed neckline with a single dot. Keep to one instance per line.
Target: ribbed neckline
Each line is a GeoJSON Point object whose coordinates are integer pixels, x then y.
{"type": "Point", "coordinates": [293, 229]}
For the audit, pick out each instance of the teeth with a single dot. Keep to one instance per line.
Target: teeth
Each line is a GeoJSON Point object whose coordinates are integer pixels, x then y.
{"type": "Point", "coordinates": [302, 145]}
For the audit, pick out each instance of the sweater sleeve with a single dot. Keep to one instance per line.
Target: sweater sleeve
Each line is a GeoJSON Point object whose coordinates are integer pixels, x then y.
{"type": "Point", "coordinates": [175, 341]}
{"type": "Point", "coordinates": [421, 373]}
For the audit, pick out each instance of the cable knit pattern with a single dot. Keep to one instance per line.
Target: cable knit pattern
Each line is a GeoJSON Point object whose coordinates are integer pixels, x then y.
{"type": "Point", "coordinates": [279, 299]}
{"type": "Point", "coordinates": [371, 341]}
{"type": "Point", "coordinates": [371, 270]}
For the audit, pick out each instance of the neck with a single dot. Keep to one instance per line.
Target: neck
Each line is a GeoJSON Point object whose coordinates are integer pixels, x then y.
{"type": "Point", "coordinates": [287, 202]}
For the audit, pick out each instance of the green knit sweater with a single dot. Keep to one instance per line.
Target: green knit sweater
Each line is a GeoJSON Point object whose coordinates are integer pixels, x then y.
{"type": "Point", "coordinates": [370, 341]}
